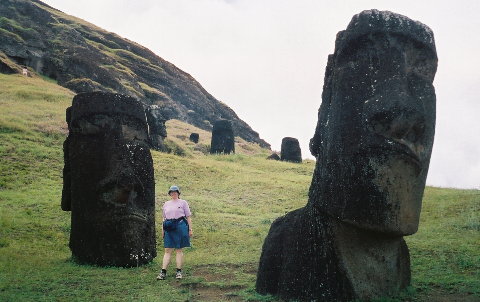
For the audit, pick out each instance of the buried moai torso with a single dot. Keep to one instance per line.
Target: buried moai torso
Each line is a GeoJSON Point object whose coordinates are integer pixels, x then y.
{"type": "Point", "coordinates": [108, 181]}
{"type": "Point", "coordinates": [223, 139]}
{"type": "Point", "coordinates": [372, 143]}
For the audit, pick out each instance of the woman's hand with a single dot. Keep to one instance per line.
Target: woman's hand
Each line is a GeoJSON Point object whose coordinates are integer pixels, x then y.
{"type": "Point", "coordinates": [190, 232]}
{"type": "Point", "coordinates": [163, 234]}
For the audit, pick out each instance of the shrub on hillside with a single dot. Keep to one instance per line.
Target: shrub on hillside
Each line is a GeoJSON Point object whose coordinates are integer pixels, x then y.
{"type": "Point", "coordinates": [173, 148]}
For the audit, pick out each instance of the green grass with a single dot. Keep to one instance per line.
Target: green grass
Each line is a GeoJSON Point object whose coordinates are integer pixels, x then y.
{"type": "Point", "coordinates": [234, 199]}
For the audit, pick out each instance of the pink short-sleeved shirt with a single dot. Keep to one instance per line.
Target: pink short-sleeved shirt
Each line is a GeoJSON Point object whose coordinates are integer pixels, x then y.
{"type": "Point", "coordinates": [176, 209]}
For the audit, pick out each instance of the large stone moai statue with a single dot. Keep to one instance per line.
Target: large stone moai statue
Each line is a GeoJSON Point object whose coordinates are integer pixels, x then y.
{"type": "Point", "coordinates": [290, 150]}
{"type": "Point", "coordinates": [157, 128]}
{"type": "Point", "coordinates": [373, 143]}
{"type": "Point", "coordinates": [108, 181]}
{"type": "Point", "coordinates": [223, 139]}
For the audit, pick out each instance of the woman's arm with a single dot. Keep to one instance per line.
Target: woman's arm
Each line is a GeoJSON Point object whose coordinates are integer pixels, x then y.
{"type": "Point", "coordinates": [190, 232]}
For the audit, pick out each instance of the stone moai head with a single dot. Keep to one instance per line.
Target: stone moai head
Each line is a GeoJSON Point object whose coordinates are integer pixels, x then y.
{"type": "Point", "coordinates": [110, 185]}
{"type": "Point", "coordinates": [290, 150]}
{"type": "Point", "coordinates": [376, 124]}
{"type": "Point", "coordinates": [157, 129]}
{"type": "Point", "coordinates": [194, 137]}
{"type": "Point", "coordinates": [223, 139]}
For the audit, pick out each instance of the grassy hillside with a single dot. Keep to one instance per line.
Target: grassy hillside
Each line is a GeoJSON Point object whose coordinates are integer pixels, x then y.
{"type": "Point", "coordinates": [234, 200]}
{"type": "Point", "coordinates": [84, 58]}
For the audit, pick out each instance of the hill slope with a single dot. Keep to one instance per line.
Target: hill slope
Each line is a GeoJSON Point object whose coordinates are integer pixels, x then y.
{"type": "Point", "coordinates": [83, 58]}
{"type": "Point", "coordinates": [234, 200]}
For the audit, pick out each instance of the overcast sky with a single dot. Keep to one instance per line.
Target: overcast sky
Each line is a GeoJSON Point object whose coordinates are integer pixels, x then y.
{"type": "Point", "coordinates": [266, 60]}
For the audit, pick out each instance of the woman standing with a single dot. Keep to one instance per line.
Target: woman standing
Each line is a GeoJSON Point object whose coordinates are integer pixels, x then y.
{"type": "Point", "coordinates": [176, 230]}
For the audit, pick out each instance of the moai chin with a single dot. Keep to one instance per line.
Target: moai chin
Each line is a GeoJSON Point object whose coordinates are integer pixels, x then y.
{"type": "Point", "coordinates": [223, 139]}
{"type": "Point", "coordinates": [108, 181]}
{"type": "Point", "coordinates": [373, 143]}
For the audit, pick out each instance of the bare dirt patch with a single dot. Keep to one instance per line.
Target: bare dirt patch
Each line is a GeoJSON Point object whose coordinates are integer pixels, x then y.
{"type": "Point", "coordinates": [438, 295]}
{"type": "Point", "coordinates": [213, 282]}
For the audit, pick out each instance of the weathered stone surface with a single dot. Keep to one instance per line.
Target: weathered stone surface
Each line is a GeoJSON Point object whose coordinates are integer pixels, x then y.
{"type": "Point", "coordinates": [223, 139]}
{"type": "Point", "coordinates": [194, 137]}
{"type": "Point", "coordinates": [373, 143]}
{"type": "Point", "coordinates": [108, 181]}
{"type": "Point", "coordinates": [156, 126]}
{"type": "Point", "coordinates": [274, 156]}
{"type": "Point", "coordinates": [290, 150]}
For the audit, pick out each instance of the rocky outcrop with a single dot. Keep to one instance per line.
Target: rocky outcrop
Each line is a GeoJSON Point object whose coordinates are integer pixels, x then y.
{"type": "Point", "coordinates": [223, 139]}
{"type": "Point", "coordinates": [372, 143]}
{"type": "Point", "coordinates": [108, 181]}
{"type": "Point", "coordinates": [85, 58]}
{"type": "Point", "coordinates": [290, 150]}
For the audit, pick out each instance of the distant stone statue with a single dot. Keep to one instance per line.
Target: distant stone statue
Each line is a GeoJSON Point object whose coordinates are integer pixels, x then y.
{"type": "Point", "coordinates": [157, 128]}
{"type": "Point", "coordinates": [373, 143]}
{"type": "Point", "coordinates": [108, 181]}
{"type": "Point", "coordinates": [223, 139]}
{"type": "Point", "coordinates": [194, 137]}
{"type": "Point", "coordinates": [290, 150]}
{"type": "Point", "coordinates": [274, 156]}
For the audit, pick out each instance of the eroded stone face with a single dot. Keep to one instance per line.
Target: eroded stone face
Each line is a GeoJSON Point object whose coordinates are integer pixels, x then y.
{"type": "Point", "coordinates": [111, 185]}
{"type": "Point", "coordinates": [378, 132]}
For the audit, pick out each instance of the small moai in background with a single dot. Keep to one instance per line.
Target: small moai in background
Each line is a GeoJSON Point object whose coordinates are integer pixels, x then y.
{"type": "Point", "coordinates": [273, 156]}
{"type": "Point", "coordinates": [223, 139]}
{"type": "Point", "coordinates": [108, 181]}
{"type": "Point", "coordinates": [194, 137]}
{"type": "Point", "coordinates": [157, 129]}
{"type": "Point", "coordinates": [291, 150]}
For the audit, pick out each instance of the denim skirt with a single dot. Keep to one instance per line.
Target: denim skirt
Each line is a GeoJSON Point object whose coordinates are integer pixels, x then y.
{"type": "Point", "coordinates": [177, 238]}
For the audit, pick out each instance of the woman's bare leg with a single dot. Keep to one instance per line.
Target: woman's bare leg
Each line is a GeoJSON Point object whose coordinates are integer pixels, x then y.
{"type": "Point", "coordinates": [166, 257]}
{"type": "Point", "coordinates": [179, 258]}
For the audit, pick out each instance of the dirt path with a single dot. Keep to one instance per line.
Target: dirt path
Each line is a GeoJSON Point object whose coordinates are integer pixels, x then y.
{"type": "Point", "coordinates": [214, 282]}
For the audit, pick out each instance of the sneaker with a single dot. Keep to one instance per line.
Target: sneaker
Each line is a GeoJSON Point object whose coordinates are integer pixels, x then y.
{"type": "Point", "coordinates": [161, 276]}
{"type": "Point", "coordinates": [178, 275]}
